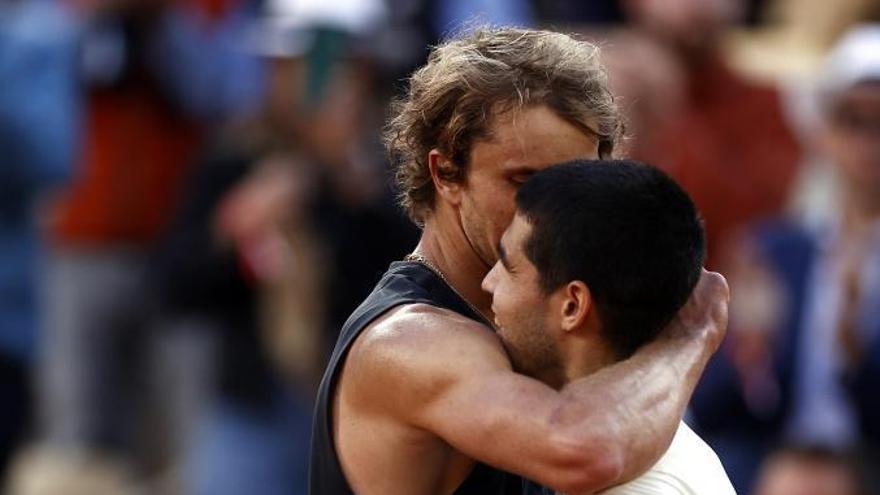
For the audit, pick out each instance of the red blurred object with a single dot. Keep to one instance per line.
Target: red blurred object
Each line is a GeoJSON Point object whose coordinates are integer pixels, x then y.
{"type": "Point", "coordinates": [731, 150]}
{"type": "Point", "coordinates": [136, 152]}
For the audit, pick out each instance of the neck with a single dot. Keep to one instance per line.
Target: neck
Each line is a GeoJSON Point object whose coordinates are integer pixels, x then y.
{"type": "Point", "coordinates": [450, 252]}
{"type": "Point", "coordinates": [585, 359]}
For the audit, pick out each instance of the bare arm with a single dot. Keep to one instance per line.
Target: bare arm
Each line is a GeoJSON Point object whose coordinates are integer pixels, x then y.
{"type": "Point", "coordinates": [598, 431]}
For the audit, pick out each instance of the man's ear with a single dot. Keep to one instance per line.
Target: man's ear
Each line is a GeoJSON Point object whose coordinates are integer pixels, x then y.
{"type": "Point", "coordinates": [577, 301]}
{"type": "Point", "coordinates": [442, 173]}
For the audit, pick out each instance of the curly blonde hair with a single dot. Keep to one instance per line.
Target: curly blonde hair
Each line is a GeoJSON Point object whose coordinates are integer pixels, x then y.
{"type": "Point", "coordinates": [468, 80]}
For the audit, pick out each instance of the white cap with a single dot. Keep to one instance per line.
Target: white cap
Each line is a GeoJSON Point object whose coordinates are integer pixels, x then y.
{"type": "Point", "coordinates": [855, 59]}
{"type": "Point", "coordinates": [287, 27]}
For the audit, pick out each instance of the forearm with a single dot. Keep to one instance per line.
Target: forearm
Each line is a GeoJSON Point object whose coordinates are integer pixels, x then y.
{"type": "Point", "coordinates": [630, 411]}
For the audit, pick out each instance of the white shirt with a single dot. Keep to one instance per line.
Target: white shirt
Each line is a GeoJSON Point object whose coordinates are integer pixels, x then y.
{"type": "Point", "coordinates": [689, 467]}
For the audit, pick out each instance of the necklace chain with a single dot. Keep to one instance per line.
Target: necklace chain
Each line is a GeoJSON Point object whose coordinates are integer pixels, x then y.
{"type": "Point", "coordinates": [418, 258]}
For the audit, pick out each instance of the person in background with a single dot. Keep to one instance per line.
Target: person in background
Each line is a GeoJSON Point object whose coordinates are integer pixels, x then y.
{"type": "Point", "coordinates": [802, 361]}
{"type": "Point", "coordinates": [649, 82]}
{"type": "Point", "coordinates": [39, 117]}
{"type": "Point", "coordinates": [730, 145]}
{"type": "Point", "coordinates": [286, 225]}
{"type": "Point", "coordinates": [157, 75]}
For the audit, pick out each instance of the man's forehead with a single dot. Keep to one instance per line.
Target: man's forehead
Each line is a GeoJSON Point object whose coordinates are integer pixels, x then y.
{"type": "Point", "coordinates": [535, 138]}
{"type": "Point", "coordinates": [516, 232]}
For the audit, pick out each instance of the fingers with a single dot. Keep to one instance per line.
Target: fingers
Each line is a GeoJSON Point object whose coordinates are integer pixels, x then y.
{"type": "Point", "coordinates": [713, 294]}
{"type": "Point", "coordinates": [704, 316]}
{"type": "Point", "coordinates": [705, 312]}
{"type": "Point", "coordinates": [714, 286]}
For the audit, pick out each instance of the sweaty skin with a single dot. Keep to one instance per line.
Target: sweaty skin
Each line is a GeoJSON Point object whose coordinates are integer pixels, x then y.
{"type": "Point", "coordinates": [425, 391]}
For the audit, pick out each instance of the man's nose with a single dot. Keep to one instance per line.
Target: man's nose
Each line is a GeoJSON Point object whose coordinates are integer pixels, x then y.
{"type": "Point", "coordinates": [488, 284]}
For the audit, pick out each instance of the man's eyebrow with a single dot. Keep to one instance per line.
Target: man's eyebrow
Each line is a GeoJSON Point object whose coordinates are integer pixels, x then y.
{"type": "Point", "coordinates": [502, 255]}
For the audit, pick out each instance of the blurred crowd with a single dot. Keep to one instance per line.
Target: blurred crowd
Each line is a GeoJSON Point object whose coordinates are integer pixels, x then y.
{"type": "Point", "coordinates": [194, 196]}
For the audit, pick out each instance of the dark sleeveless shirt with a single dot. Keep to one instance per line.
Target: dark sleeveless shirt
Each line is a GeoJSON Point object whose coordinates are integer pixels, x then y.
{"type": "Point", "coordinates": [405, 282]}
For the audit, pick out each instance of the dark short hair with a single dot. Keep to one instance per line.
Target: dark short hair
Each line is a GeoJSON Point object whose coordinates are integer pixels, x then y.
{"type": "Point", "coordinates": [624, 228]}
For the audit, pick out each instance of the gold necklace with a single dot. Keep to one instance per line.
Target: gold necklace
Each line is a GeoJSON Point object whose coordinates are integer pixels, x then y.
{"type": "Point", "coordinates": [418, 258]}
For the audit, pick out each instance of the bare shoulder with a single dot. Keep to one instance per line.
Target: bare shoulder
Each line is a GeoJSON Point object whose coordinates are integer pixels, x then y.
{"type": "Point", "coordinates": [422, 328]}
{"type": "Point", "coordinates": [414, 351]}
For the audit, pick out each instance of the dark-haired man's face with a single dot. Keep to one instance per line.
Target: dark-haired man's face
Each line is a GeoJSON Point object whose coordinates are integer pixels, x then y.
{"type": "Point", "coordinates": [524, 315]}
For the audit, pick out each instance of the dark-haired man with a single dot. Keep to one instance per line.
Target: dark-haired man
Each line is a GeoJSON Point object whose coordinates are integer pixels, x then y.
{"type": "Point", "coordinates": [598, 259]}
{"type": "Point", "coordinates": [419, 395]}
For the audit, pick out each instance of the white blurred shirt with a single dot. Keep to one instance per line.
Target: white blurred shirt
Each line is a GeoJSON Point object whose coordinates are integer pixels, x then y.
{"type": "Point", "coordinates": [689, 467]}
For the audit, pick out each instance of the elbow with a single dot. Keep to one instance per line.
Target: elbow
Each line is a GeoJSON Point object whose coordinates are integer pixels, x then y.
{"type": "Point", "coordinates": [588, 465]}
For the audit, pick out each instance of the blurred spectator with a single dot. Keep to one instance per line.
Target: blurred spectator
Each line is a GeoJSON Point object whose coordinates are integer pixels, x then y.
{"type": "Point", "coordinates": [285, 227]}
{"type": "Point", "coordinates": [809, 471]}
{"type": "Point", "coordinates": [802, 358]}
{"type": "Point", "coordinates": [228, 242]}
{"type": "Point", "coordinates": [648, 82]}
{"type": "Point", "coordinates": [39, 107]}
{"type": "Point", "coordinates": [156, 71]}
{"type": "Point", "coordinates": [730, 147]}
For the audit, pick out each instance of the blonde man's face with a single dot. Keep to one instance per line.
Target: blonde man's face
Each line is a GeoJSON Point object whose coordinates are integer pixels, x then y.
{"type": "Point", "coordinates": [522, 142]}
